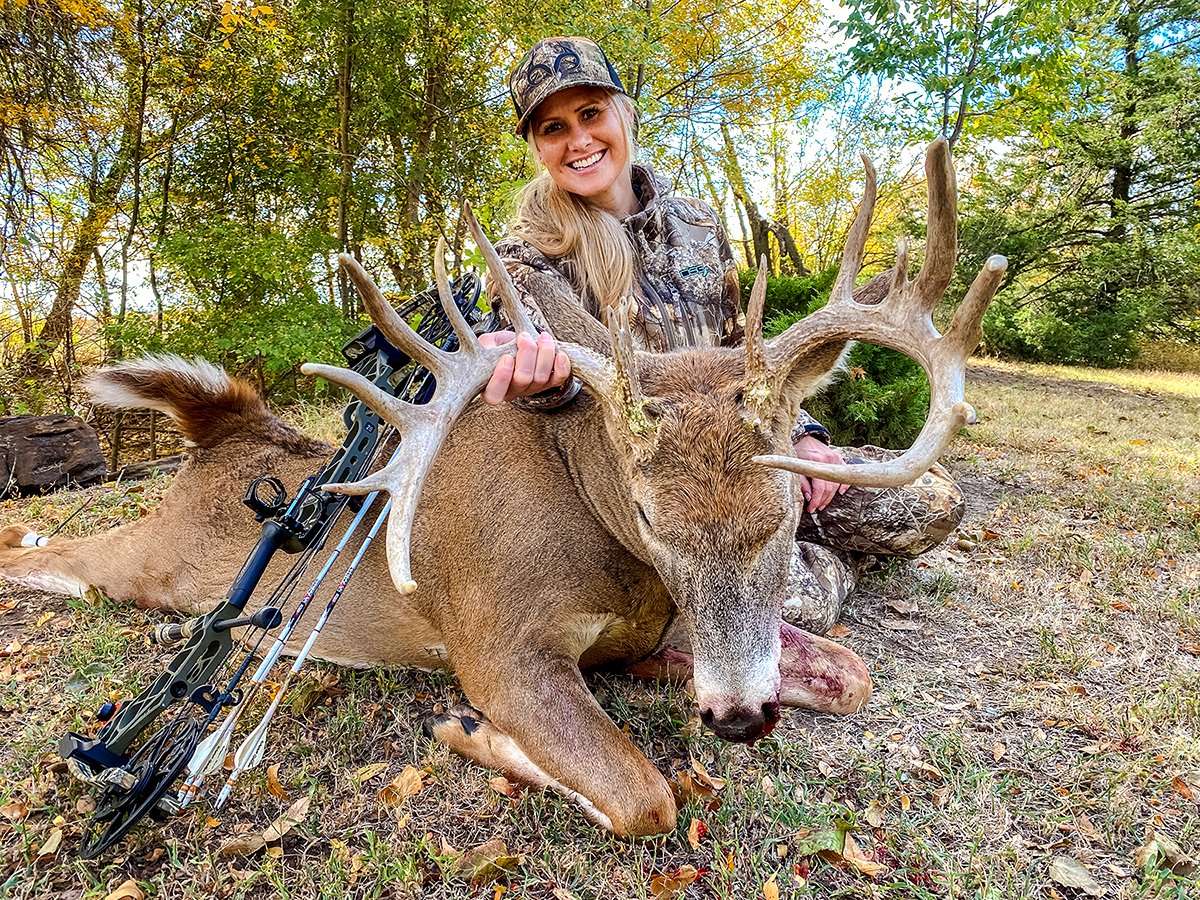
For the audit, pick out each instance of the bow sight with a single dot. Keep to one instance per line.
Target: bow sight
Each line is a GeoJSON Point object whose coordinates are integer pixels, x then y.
{"type": "Point", "coordinates": [134, 772]}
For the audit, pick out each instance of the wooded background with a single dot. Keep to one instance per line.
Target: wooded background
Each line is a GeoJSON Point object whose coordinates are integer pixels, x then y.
{"type": "Point", "coordinates": [180, 176]}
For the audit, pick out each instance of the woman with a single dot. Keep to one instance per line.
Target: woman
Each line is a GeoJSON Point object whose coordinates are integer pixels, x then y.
{"type": "Point", "coordinates": [595, 227]}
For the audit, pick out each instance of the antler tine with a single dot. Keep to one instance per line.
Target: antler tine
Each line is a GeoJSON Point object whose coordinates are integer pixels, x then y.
{"type": "Point", "coordinates": [625, 389]}
{"type": "Point", "coordinates": [513, 308]}
{"type": "Point", "coordinates": [966, 327]}
{"type": "Point", "coordinates": [462, 329]}
{"type": "Point", "coordinates": [394, 328]}
{"type": "Point", "coordinates": [856, 239]}
{"type": "Point", "coordinates": [423, 427]}
{"type": "Point", "coordinates": [757, 390]}
{"type": "Point", "coordinates": [941, 244]}
{"type": "Point", "coordinates": [900, 274]}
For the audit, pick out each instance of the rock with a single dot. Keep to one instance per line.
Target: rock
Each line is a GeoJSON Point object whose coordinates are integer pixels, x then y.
{"type": "Point", "coordinates": [45, 453]}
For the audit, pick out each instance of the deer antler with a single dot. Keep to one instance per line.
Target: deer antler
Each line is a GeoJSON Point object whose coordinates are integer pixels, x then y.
{"type": "Point", "coordinates": [423, 428]}
{"type": "Point", "coordinates": [902, 321]}
{"type": "Point", "coordinates": [459, 377]}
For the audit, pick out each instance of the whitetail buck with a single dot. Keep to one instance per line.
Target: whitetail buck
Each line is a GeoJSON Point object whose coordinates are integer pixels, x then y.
{"type": "Point", "coordinates": [648, 526]}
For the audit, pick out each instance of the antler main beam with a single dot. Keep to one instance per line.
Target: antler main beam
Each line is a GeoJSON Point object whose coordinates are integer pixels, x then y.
{"type": "Point", "coordinates": [459, 377]}
{"type": "Point", "coordinates": [902, 321]}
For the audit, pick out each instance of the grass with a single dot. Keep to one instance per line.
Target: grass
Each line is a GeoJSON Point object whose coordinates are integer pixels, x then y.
{"type": "Point", "coordinates": [1049, 706]}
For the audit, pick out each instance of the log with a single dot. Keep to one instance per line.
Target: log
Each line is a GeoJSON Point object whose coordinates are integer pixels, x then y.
{"type": "Point", "coordinates": [46, 453]}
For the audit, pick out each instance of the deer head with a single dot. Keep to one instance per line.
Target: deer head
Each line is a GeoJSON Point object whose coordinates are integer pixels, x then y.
{"type": "Point", "coordinates": [700, 451]}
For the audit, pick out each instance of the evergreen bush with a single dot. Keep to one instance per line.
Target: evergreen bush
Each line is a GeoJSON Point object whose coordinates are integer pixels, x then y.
{"type": "Point", "coordinates": [878, 397]}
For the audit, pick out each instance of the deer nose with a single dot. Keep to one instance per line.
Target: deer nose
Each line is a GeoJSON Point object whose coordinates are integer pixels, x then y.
{"type": "Point", "coordinates": [742, 724]}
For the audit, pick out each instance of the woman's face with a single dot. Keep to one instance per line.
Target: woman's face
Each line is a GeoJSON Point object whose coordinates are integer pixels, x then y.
{"type": "Point", "coordinates": [580, 139]}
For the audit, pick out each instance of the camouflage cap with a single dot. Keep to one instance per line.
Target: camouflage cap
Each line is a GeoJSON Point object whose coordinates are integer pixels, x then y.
{"type": "Point", "coordinates": [553, 65]}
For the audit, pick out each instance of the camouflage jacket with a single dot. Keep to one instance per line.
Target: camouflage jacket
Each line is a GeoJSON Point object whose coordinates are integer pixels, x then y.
{"type": "Point", "coordinates": [688, 292]}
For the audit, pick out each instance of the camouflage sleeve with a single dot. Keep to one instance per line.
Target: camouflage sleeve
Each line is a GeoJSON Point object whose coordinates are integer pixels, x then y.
{"type": "Point", "coordinates": [534, 278]}
{"type": "Point", "coordinates": [807, 426]}
{"type": "Point", "coordinates": [733, 317]}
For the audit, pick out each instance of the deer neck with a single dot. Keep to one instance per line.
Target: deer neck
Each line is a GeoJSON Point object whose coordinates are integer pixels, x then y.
{"type": "Point", "coordinates": [598, 467]}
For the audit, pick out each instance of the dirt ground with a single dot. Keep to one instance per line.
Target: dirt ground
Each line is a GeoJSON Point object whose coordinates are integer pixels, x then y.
{"type": "Point", "coordinates": [1035, 730]}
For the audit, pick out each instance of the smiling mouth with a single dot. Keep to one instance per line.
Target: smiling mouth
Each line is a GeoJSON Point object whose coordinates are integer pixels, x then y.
{"type": "Point", "coordinates": [582, 165]}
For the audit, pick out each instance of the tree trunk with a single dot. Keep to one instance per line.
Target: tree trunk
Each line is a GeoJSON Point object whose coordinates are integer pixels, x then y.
{"type": "Point", "coordinates": [101, 205]}
{"type": "Point", "coordinates": [1129, 27]}
{"type": "Point", "coordinates": [345, 100]}
{"type": "Point", "coordinates": [759, 231]}
{"type": "Point", "coordinates": [784, 235]}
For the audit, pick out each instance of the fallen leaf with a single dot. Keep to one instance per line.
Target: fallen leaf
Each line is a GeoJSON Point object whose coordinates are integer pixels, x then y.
{"type": "Point", "coordinates": [296, 813]}
{"type": "Point", "coordinates": [904, 606]}
{"type": "Point", "coordinates": [486, 862]}
{"type": "Point", "coordinates": [1162, 852]}
{"type": "Point", "coordinates": [874, 814]}
{"type": "Point", "coordinates": [838, 631]}
{"type": "Point", "coordinates": [702, 773]}
{"type": "Point", "coordinates": [941, 796]}
{"type": "Point", "coordinates": [51, 844]}
{"type": "Point", "coordinates": [905, 802]}
{"type": "Point", "coordinates": [672, 884]}
{"type": "Point", "coordinates": [14, 811]}
{"type": "Point", "coordinates": [243, 845]}
{"type": "Point", "coordinates": [854, 855]}
{"type": "Point", "coordinates": [126, 890]}
{"type": "Point", "coordinates": [502, 785]}
{"type": "Point", "coordinates": [768, 787]}
{"type": "Point", "coordinates": [43, 619]}
{"type": "Point", "coordinates": [1073, 874]}
{"type": "Point", "coordinates": [933, 773]}
{"type": "Point", "coordinates": [1183, 788]}
{"type": "Point", "coordinates": [901, 624]}
{"type": "Point", "coordinates": [407, 784]}
{"type": "Point", "coordinates": [273, 786]}
{"type": "Point", "coordinates": [696, 832]}
{"type": "Point", "coordinates": [810, 843]}
{"type": "Point", "coordinates": [686, 788]}
{"type": "Point", "coordinates": [366, 773]}
{"type": "Point", "coordinates": [770, 890]}
{"type": "Point", "coordinates": [998, 751]}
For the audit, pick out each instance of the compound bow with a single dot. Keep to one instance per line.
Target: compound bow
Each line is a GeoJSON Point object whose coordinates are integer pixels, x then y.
{"type": "Point", "coordinates": [133, 771]}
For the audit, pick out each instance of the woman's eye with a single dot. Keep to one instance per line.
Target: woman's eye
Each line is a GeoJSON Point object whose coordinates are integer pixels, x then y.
{"type": "Point", "coordinates": [590, 113]}
{"type": "Point", "coordinates": [551, 127]}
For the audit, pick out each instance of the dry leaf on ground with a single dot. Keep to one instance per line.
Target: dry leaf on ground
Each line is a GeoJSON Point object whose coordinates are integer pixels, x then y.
{"type": "Point", "coordinates": [243, 845]}
{"type": "Point", "coordinates": [126, 890]}
{"type": "Point", "coordinates": [672, 884]}
{"type": "Point", "coordinates": [296, 813]}
{"type": "Point", "coordinates": [14, 811]}
{"type": "Point", "coordinates": [1183, 788]}
{"type": "Point", "coordinates": [838, 631]}
{"type": "Point", "coordinates": [273, 785]}
{"type": "Point", "coordinates": [687, 787]}
{"type": "Point", "coordinates": [486, 862]}
{"type": "Point", "coordinates": [367, 772]}
{"type": "Point", "coordinates": [1073, 874]}
{"type": "Point", "coordinates": [874, 814]}
{"type": "Point", "coordinates": [51, 844]}
{"type": "Point", "coordinates": [1162, 852]}
{"type": "Point", "coordinates": [702, 773]}
{"type": "Point", "coordinates": [696, 832]}
{"type": "Point", "coordinates": [502, 785]}
{"type": "Point", "coordinates": [771, 890]}
{"type": "Point", "coordinates": [407, 784]}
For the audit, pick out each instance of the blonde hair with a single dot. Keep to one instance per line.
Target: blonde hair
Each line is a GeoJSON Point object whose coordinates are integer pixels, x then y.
{"type": "Point", "coordinates": [601, 259]}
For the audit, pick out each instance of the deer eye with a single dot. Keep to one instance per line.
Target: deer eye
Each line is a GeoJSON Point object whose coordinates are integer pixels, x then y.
{"type": "Point", "coordinates": [642, 517]}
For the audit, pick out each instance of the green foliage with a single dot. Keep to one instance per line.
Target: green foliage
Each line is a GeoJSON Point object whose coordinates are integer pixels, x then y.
{"type": "Point", "coordinates": [879, 396]}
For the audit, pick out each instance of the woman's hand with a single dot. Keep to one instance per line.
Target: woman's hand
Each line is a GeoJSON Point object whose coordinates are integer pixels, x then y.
{"type": "Point", "coordinates": [537, 365]}
{"type": "Point", "coordinates": [817, 492]}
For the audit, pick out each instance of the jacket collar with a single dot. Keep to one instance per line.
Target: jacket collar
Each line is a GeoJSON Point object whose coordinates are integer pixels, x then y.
{"type": "Point", "coordinates": [650, 191]}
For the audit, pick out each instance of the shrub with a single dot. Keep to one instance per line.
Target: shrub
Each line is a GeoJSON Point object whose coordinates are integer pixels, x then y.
{"type": "Point", "coordinates": [879, 397]}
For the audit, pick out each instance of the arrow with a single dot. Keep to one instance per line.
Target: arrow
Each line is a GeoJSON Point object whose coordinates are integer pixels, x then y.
{"type": "Point", "coordinates": [251, 751]}
{"type": "Point", "coordinates": [210, 754]}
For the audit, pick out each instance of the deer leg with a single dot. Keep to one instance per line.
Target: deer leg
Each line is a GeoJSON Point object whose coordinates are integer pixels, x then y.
{"type": "Point", "coordinates": [544, 726]}
{"type": "Point", "coordinates": [468, 733]}
{"type": "Point", "coordinates": [815, 673]}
